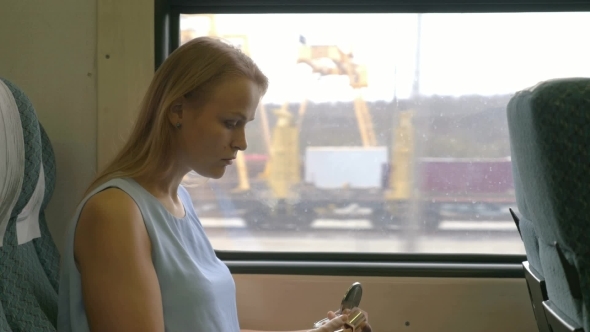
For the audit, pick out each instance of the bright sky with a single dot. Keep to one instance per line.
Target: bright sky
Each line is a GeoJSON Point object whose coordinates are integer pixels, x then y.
{"type": "Point", "coordinates": [460, 54]}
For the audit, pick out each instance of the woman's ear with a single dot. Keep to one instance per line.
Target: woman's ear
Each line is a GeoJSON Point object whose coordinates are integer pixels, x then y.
{"type": "Point", "coordinates": [175, 113]}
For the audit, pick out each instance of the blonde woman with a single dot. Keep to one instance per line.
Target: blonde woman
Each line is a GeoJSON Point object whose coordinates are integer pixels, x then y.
{"type": "Point", "coordinates": [136, 256]}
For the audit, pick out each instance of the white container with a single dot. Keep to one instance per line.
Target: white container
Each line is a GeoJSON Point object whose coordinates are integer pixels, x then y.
{"type": "Point", "coordinates": [338, 167]}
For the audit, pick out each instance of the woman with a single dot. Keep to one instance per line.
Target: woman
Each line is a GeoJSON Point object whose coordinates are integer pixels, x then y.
{"type": "Point", "coordinates": [137, 258]}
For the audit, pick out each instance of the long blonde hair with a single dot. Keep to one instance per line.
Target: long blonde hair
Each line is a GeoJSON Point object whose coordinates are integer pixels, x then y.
{"type": "Point", "coordinates": [193, 69]}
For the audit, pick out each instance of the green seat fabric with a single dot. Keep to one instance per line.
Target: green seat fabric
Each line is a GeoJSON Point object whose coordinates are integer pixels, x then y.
{"type": "Point", "coordinates": [526, 227]}
{"type": "Point", "coordinates": [549, 126]}
{"type": "Point", "coordinates": [29, 259]}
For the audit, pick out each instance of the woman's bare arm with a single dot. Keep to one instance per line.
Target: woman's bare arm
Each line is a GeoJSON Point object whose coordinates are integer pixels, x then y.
{"type": "Point", "coordinates": [113, 253]}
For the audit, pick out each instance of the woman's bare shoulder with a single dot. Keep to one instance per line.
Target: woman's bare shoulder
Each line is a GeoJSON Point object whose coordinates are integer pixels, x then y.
{"type": "Point", "coordinates": [110, 219]}
{"type": "Point", "coordinates": [113, 253]}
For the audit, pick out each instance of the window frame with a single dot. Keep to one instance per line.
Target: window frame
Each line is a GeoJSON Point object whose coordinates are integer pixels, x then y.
{"type": "Point", "coordinates": [167, 38]}
{"type": "Point", "coordinates": [167, 12]}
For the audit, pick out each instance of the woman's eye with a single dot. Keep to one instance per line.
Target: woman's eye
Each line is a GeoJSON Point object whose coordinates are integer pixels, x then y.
{"type": "Point", "coordinates": [231, 124]}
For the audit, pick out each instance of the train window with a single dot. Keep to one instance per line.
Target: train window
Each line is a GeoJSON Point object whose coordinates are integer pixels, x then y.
{"type": "Point", "coordinates": [381, 132]}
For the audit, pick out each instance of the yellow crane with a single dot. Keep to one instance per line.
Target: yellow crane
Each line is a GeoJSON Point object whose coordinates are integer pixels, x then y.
{"type": "Point", "coordinates": [313, 55]}
{"type": "Point", "coordinates": [283, 166]}
{"type": "Point", "coordinates": [402, 156]}
{"type": "Point", "coordinates": [400, 185]}
{"type": "Point", "coordinates": [400, 177]}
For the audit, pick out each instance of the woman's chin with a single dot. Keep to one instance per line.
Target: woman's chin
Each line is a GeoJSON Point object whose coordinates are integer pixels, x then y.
{"type": "Point", "coordinates": [215, 174]}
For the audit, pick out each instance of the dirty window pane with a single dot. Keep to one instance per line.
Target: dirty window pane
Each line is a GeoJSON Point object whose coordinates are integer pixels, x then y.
{"type": "Point", "coordinates": [381, 132]}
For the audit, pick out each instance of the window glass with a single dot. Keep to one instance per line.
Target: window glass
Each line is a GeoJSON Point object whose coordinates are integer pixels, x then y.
{"type": "Point", "coordinates": [381, 132]}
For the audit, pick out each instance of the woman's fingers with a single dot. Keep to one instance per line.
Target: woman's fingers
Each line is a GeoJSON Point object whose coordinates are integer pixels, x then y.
{"type": "Point", "coordinates": [334, 324]}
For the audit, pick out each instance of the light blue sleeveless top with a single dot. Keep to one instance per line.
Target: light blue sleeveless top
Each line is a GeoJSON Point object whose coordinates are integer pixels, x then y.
{"type": "Point", "coordinates": [198, 291]}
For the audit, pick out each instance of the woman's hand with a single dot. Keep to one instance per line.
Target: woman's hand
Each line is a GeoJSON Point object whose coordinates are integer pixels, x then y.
{"type": "Point", "coordinates": [333, 325]}
{"type": "Point", "coordinates": [365, 327]}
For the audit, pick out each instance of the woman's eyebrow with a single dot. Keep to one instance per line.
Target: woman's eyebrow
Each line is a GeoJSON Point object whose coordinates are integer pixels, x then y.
{"type": "Point", "coordinates": [241, 116]}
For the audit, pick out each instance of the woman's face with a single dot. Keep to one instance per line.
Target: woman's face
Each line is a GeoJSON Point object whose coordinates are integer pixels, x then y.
{"type": "Point", "coordinates": [212, 133]}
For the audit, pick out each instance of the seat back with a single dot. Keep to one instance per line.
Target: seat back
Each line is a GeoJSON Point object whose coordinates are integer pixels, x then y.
{"type": "Point", "coordinates": [29, 259]}
{"type": "Point", "coordinates": [532, 267]}
{"type": "Point", "coordinates": [549, 127]}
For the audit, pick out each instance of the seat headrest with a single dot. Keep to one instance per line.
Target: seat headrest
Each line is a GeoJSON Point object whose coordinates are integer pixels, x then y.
{"type": "Point", "coordinates": [21, 186]}
{"type": "Point", "coordinates": [549, 127]}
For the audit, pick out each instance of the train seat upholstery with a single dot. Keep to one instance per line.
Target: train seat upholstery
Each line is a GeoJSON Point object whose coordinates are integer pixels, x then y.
{"type": "Point", "coordinates": [29, 259]}
{"type": "Point", "coordinates": [549, 128]}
